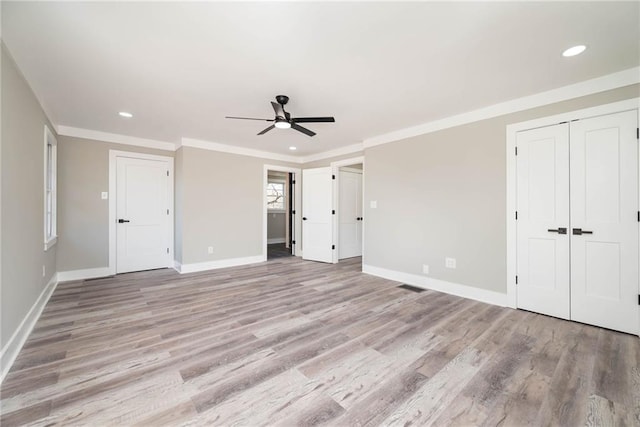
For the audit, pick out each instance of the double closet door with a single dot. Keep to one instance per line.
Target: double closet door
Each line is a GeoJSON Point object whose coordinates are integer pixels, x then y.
{"type": "Point", "coordinates": [577, 221]}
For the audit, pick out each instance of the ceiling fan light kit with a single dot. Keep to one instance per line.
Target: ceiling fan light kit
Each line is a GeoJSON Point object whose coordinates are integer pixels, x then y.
{"type": "Point", "coordinates": [283, 119]}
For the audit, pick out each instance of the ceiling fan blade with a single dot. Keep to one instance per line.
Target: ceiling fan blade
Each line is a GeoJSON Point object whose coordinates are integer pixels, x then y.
{"type": "Point", "coordinates": [313, 120]}
{"type": "Point", "coordinates": [278, 109]}
{"type": "Point", "coordinates": [249, 118]}
{"type": "Point", "coordinates": [301, 129]}
{"type": "Point", "coordinates": [267, 130]}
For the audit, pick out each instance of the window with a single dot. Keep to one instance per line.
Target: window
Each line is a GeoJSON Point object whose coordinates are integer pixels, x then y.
{"type": "Point", "coordinates": [50, 188]}
{"type": "Point", "coordinates": [276, 196]}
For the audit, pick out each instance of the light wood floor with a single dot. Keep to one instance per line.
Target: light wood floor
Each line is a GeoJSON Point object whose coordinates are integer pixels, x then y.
{"type": "Point", "coordinates": [299, 343]}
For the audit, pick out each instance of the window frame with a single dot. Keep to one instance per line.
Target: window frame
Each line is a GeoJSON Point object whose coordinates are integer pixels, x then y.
{"type": "Point", "coordinates": [284, 189]}
{"type": "Point", "coordinates": [50, 187]}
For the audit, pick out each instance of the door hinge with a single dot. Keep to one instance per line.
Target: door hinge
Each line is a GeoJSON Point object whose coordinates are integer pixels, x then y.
{"type": "Point", "coordinates": [516, 151]}
{"type": "Point", "coordinates": [638, 216]}
{"type": "Point", "coordinates": [167, 173]}
{"type": "Point", "coordinates": [293, 242]}
{"type": "Point", "coordinates": [333, 177]}
{"type": "Point", "coordinates": [333, 211]}
{"type": "Point", "coordinates": [167, 250]}
{"type": "Point", "coordinates": [333, 247]}
{"type": "Point", "coordinates": [516, 280]}
{"type": "Point", "coordinates": [516, 215]}
{"type": "Point", "coordinates": [637, 133]}
{"type": "Point", "coordinates": [293, 212]}
{"type": "Point", "coordinates": [293, 182]}
{"type": "Point", "coordinates": [167, 211]}
{"type": "Point", "coordinates": [638, 299]}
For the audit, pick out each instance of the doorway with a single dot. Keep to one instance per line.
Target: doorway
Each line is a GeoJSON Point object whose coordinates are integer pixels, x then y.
{"type": "Point", "coordinates": [348, 200]}
{"type": "Point", "coordinates": [140, 211]}
{"type": "Point", "coordinates": [281, 223]}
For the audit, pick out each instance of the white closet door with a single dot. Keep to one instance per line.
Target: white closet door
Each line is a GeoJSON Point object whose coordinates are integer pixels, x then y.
{"type": "Point", "coordinates": [143, 227]}
{"type": "Point", "coordinates": [350, 214]}
{"type": "Point", "coordinates": [604, 204]}
{"type": "Point", "coordinates": [543, 206]}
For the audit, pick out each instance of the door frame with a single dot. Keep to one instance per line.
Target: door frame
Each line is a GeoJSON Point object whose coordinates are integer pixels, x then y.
{"type": "Point", "coordinates": [511, 131]}
{"type": "Point", "coordinates": [113, 158]}
{"type": "Point", "coordinates": [335, 171]}
{"type": "Point", "coordinates": [297, 226]}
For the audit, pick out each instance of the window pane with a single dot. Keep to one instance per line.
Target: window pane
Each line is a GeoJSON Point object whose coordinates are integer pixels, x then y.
{"type": "Point", "coordinates": [275, 195]}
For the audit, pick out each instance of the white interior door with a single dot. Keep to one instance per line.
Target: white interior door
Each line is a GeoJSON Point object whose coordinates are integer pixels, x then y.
{"type": "Point", "coordinates": [604, 221]}
{"type": "Point", "coordinates": [543, 220]}
{"type": "Point", "coordinates": [317, 233]}
{"type": "Point", "coordinates": [349, 214]}
{"type": "Point", "coordinates": [142, 214]}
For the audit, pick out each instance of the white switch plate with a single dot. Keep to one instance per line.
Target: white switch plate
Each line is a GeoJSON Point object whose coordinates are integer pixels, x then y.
{"type": "Point", "coordinates": [425, 269]}
{"type": "Point", "coordinates": [104, 195]}
{"type": "Point", "coordinates": [210, 250]}
{"type": "Point", "coordinates": [450, 262]}
{"type": "Point", "coordinates": [373, 204]}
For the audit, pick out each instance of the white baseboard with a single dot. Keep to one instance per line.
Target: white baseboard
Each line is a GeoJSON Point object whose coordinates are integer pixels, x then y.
{"type": "Point", "coordinates": [465, 291]}
{"type": "Point", "coordinates": [89, 273]}
{"type": "Point", "coordinates": [14, 345]}
{"type": "Point", "coordinates": [222, 263]}
{"type": "Point", "coordinates": [275, 240]}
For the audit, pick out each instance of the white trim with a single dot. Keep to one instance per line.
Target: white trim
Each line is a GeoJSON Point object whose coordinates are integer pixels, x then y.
{"type": "Point", "coordinates": [224, 148]}
{"type": "Point", "coordinates": [212, 265]}
{"type": "Point", "coordinates": [465, 291]}
{"type": "Point", "coordinates": [87, 273]}
{"type": "Point", "coordinates": [349, 149]}
{"type": "Point", "coordinates": [335, 170]}
{"type": "Point", "coordinates": [113, 155]}
{"type": "Point", "coordinates": [297, 226]}
{"type": "Point", "coordinates": [587, 87]}
{"type": "Point", "coordinates": [276, 240]}
{"type": "Point", "coordinates": [115, 138]}
{"type": "Point", "coordinates": [14, 345]}
{"type": "Point", "coordinates": [511, 205]}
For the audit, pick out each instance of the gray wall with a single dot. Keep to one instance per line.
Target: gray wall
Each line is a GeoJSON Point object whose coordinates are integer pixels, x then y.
{"type": "Point", "coordinates": [222, 205]}
{"type": "Point", "coordinates": [443, 194]}
{"type": "Point", "coordinates": [276, 225]}
{"type": "Point", "coordinates": [22, 218]}
{"type": "Point", "coordinates": [83, 217]}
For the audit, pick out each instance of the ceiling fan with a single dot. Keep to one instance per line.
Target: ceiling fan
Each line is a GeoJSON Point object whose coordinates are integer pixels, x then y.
{"type": "Point", "coordinates": [283, 120]}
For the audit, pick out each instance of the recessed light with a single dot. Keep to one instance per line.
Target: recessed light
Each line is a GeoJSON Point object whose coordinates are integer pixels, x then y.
{"type": "Point", "coordinates": [575, 50]}
{"type": "Point", "coordinates": [292, 148]}
{"type": "Point", "coordinates": [125, 114]}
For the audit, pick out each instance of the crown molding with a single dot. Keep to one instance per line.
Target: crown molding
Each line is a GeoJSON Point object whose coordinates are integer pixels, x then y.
{"type": "Point", "coordinates": [349, 149]}
{"type": "Point", "coordinates": [114, 138]}
{"type": "Point", "coordinates": [587, 87]}
{"type": "Point", "coordinates": [224, 148]}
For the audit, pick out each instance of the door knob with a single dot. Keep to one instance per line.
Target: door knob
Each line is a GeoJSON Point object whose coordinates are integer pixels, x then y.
{"type": "Point", "coordinates": [304, 218]}
{"type": "Point", "coordinates": [580, 231]}
{"type": "Point", "coordinates": [122, 221]}
{"type": "Point", "coordinates": [559, 230]}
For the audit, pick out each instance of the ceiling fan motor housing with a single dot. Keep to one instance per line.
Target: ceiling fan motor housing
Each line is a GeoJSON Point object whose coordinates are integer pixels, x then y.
{"type": "Point", "coordinates": [282, 99]}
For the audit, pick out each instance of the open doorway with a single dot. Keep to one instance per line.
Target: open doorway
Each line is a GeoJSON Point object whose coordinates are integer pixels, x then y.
{"type": "Point", "coordinates": [280, 212]}
{"type": "Point", "coordinates": [348, 199]}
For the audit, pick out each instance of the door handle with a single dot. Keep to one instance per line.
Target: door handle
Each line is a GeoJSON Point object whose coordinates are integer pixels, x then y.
{"type": "Point", "coordinates": [559, 230]}
{"type": "Point", "coordinates": [580, 231]}
{"type": "Point", "coordinates": [122, 221]}
{"type": "Point", "coordinates": [304, 218]}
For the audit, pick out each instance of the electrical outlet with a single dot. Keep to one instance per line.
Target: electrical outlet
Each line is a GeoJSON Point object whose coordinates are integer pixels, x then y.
{"type": "Point", "coordinates": [425, 269]}
{"type": "Point", "coordinates": [373, 204]}
{"type": "Point", "coordinates": [104, 195]}
{"type": "Point", "coordinates": [210, 250]}
{"type": "Point", "coordinates": [450, 262]}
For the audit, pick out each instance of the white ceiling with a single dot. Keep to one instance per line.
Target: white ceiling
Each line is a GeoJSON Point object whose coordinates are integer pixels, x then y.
{"type": "Point", "coordinates": [377, 67]}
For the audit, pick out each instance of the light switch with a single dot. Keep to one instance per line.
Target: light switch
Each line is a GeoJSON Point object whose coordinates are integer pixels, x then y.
{"type": "Point", "coordinates": [373, 204]}
{"type": "Point", "coordinates": [105, 195]}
